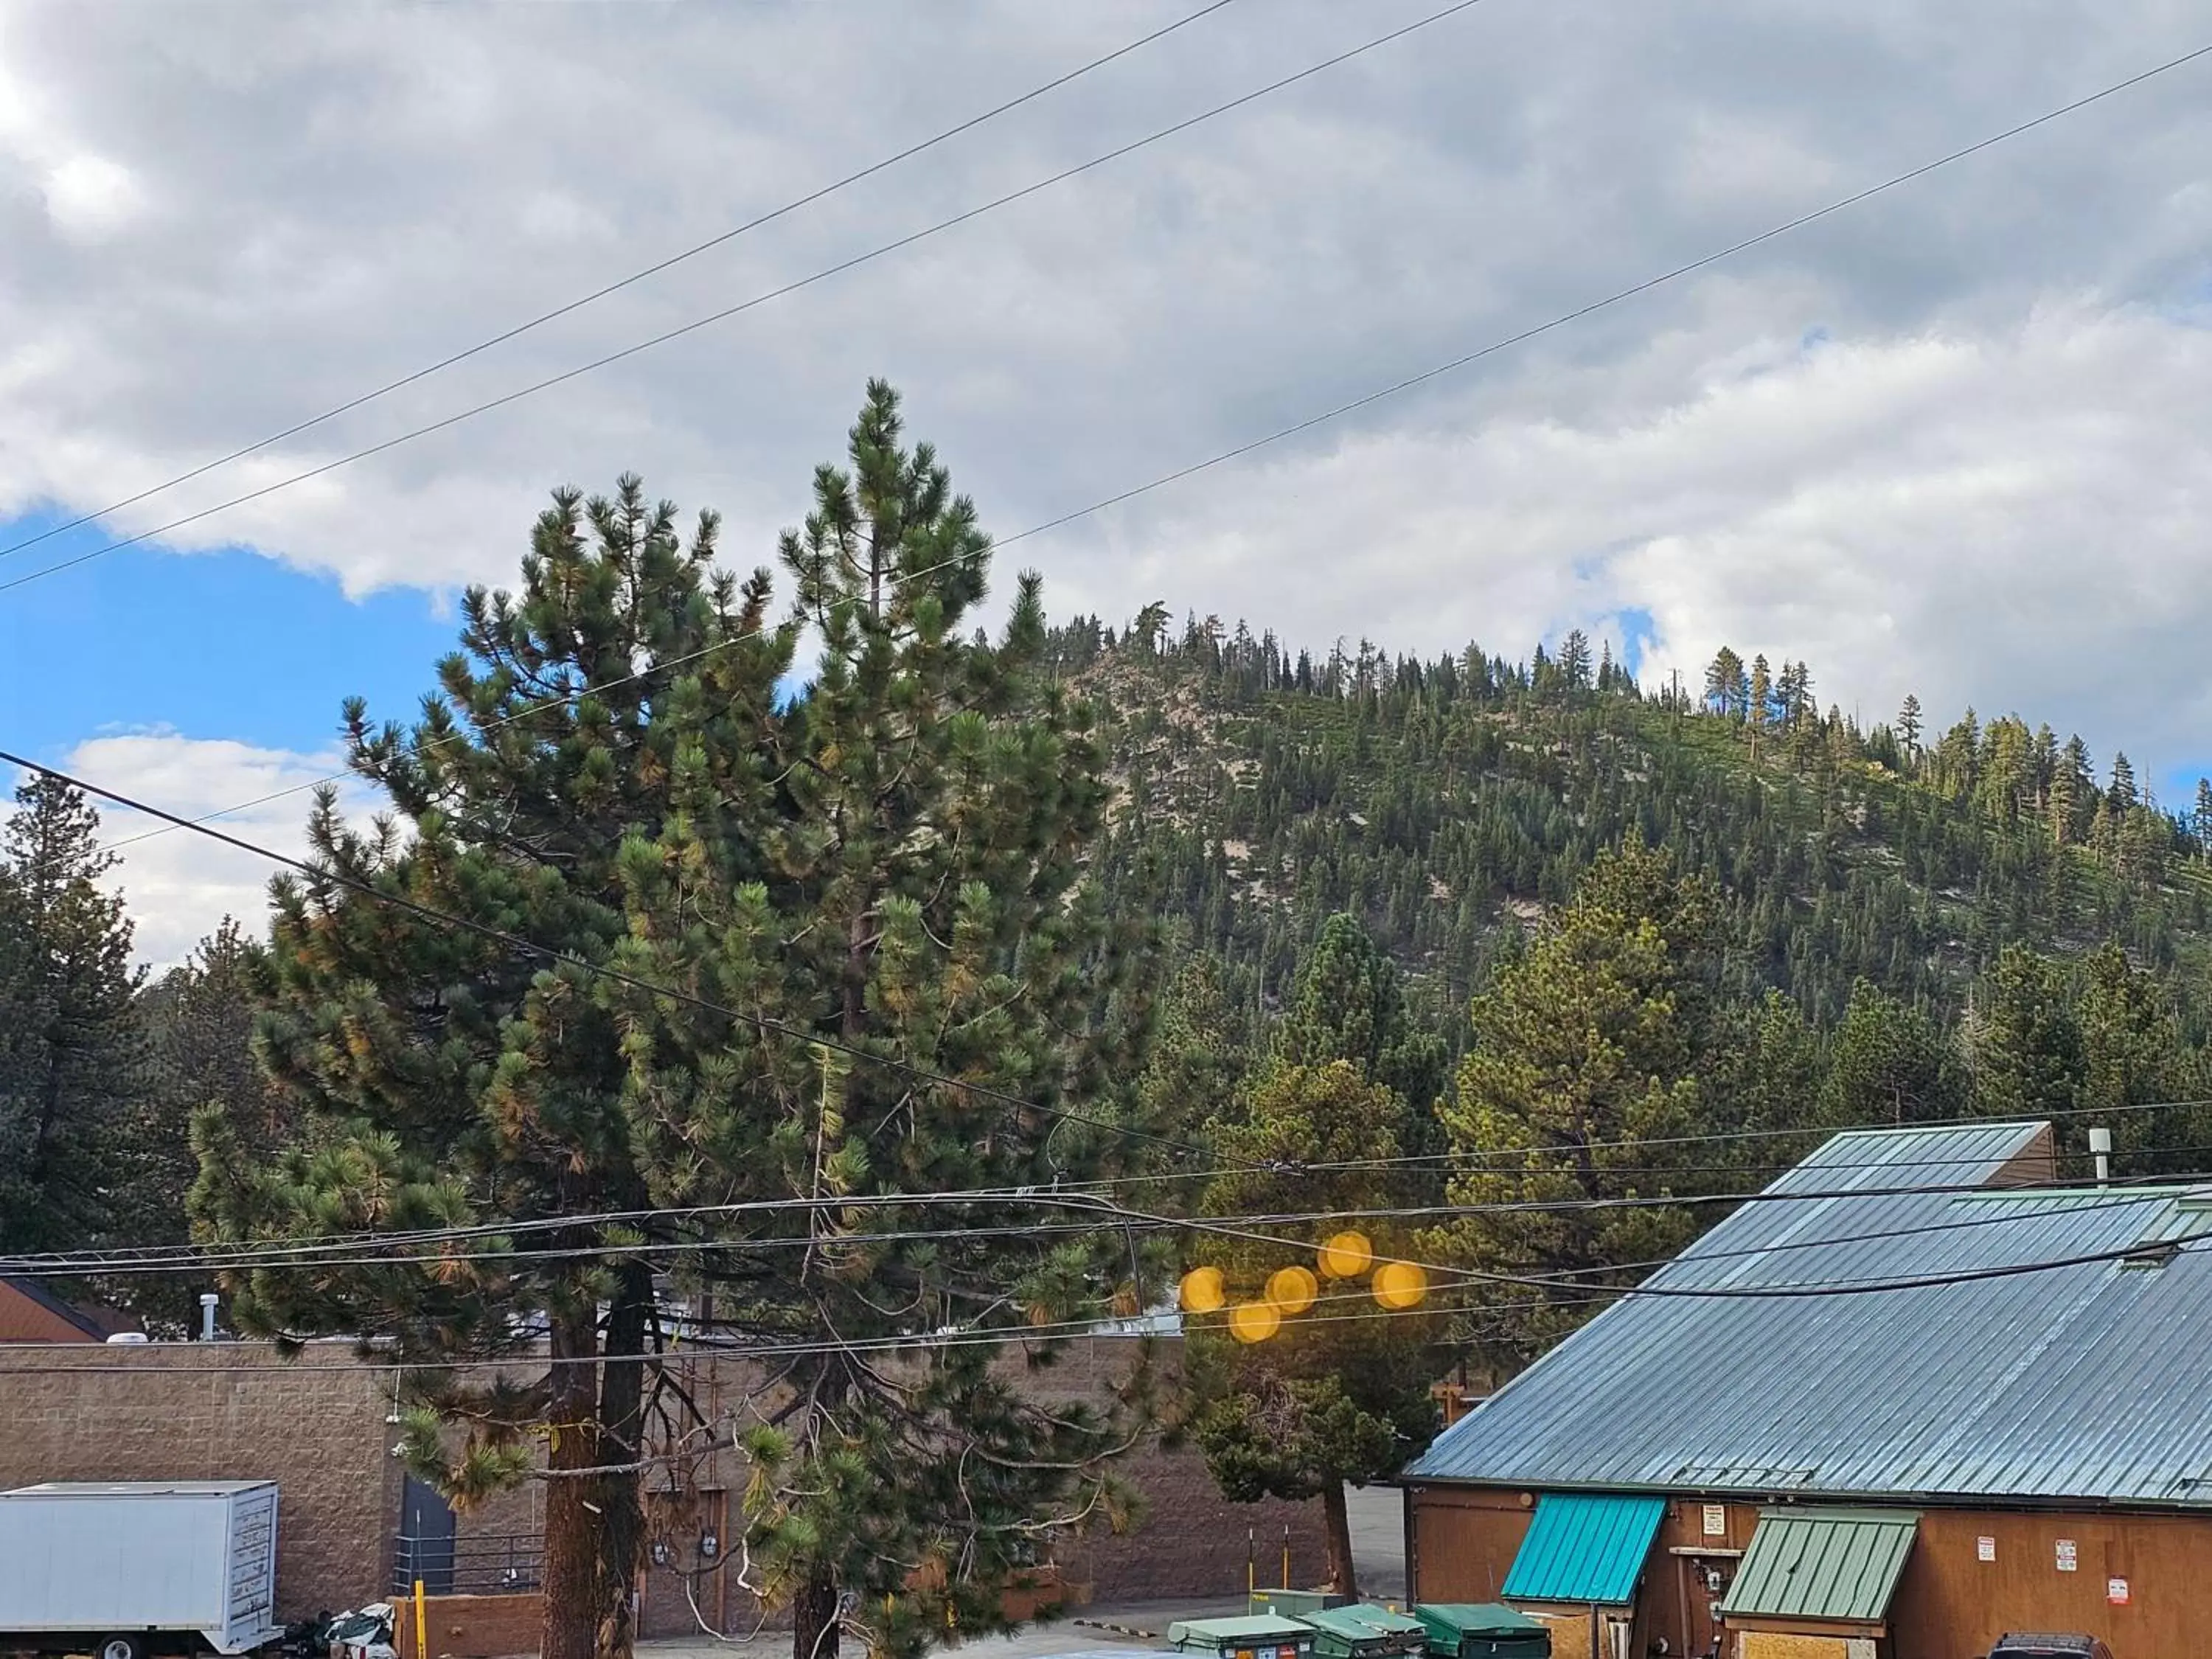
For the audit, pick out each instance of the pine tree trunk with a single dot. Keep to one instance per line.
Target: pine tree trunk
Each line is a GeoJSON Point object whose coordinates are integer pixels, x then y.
{"type": "Point", "coordinates": [570, 1627]}
{"type": "Point", "coordinates": [814, 1619]}
{"type": "Point", "coordinates": [1343, 1576]}
{"type": "Point", "coordinates": [620, 1523]}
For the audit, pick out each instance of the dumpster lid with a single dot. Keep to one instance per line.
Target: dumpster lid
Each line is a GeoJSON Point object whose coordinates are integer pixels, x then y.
{"type": "Point", "coordinates": [1344, 1624]}
{"type": "Point", "coordinates": [1250, 1627]}
{"type": "Point", "coordinates": [1363, 1619]}
{"type": "Point", "coordinates": [1474, 1619]}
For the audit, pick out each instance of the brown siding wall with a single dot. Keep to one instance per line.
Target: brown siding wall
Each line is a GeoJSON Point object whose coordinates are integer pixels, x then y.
{"type": "Point", "coordinates": [221, 1412]}
{"type": "Point", "coordinates": [1949, 1602]}
{"type": "Point", "coordinates": [23, 1319]}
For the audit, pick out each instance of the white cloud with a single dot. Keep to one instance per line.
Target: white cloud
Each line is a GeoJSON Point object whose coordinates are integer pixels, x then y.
{"type": "Point", "coordinates": [179, 885]}
{"type": "Point", "coordinates": [1986, 486]}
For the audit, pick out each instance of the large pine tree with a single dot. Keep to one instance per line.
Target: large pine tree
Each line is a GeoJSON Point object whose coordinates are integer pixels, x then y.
{"type": "Point", "coordinates": [443, 1076]}
{"type": "Point", "coordinates": [914, 895]}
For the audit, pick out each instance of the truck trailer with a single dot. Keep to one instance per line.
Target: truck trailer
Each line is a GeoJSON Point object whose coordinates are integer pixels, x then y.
{"type": "Point", "coordinates": [129, 1569]}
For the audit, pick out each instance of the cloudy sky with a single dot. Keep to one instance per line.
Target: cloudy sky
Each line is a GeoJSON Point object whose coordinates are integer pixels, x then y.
{"type": "Point", "coordinates": [1950, 440]}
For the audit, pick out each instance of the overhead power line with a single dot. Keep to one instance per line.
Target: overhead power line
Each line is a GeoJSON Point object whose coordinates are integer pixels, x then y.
{"type": "Point", "coordinates": [546, 953]}
{"type": "Point", "coordinates": [743, 306]}
{"type": "Point", "coordinates": [408, 1247]}
{"type": "Point", "coordinates": [1595, 306]}
{"type": "Point", "coordinates": [710, 1349]}
{"type": "Point", "coordinates": [616, 287]}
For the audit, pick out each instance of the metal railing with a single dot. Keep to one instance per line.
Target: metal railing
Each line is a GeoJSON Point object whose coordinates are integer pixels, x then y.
{"type": "Point", "coordinates": [480, 1564]}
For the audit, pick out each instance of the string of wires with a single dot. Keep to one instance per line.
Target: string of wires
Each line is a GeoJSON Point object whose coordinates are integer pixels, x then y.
{"type": "Point", "coordinates": [1583, 1292]}
{"type": "Point", "coordinates": [1101, 1214]}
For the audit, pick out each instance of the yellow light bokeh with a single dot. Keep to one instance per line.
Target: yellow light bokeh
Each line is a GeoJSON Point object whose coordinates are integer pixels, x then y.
{"type": "Point", "coordinates": [1203, 1293]}
{"type": "Point", "coordinates": [1253, 1322]}
{"type": "Point", "coordinates": [1292, 1290]}
{"type": "Point", "coordinates": [1400, 1285]}
{"type": "Point", "coordinates": [1347, 1255]}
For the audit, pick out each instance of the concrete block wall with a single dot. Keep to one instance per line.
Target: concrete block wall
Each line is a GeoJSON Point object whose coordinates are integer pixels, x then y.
{"type": "Point", "coordinates": [317, 1426]}
{"type": "Point", "coordinates": [221, 1412]}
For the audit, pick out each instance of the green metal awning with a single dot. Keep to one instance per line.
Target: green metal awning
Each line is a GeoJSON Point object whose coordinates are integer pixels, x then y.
{"type": "Point", "coordinates": [1833, 1564]}
{"type": "Point", "coordinates": [1585, 1546]}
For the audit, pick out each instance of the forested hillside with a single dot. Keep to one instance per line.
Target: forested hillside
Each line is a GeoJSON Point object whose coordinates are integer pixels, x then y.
{"type": "Point", "coordinates": [1452, 802]}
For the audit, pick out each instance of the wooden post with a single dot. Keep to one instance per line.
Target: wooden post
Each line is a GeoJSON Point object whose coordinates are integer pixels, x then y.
{"type": "Point", "coordinates": [1286, 1555]}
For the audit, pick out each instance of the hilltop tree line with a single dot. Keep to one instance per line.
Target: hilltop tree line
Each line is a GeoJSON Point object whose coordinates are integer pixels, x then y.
{"type": "Point", "coordinates": [1450, 802]}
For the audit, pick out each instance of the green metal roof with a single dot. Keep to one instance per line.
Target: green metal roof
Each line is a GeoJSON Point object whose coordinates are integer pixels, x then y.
{"type": "Point", "coordinates": [1827, 1564]}
{"type": "Point", "coordinates": [1584, 1546]}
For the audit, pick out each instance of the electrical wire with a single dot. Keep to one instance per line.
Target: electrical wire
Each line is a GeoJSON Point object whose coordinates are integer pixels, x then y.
{"type": "Point", "coordinates": [761, 1023]}
{"type": "Point", "coordinates": [743, 306]}
{"type": "Point", "coordinates": [1098, 1326]}
{"type": "Point", "coordinates": [333, 1250]}
{"type": "Point", "coordinates": [654, 269]}
{"type": "Point", "coordinates": [1606, 303]}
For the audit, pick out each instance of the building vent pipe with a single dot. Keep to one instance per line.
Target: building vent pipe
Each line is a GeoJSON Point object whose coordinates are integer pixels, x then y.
{"type": "Point", "coordinates": [208, 1301]}
{"type": "Point", "coordinates": [2100, 1148]}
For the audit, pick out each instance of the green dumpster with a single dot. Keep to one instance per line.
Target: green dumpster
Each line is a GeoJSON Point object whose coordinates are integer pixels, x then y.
{"type": "Point", "coordinates": [1462, 1629]}
{"type": "Point", "coordinates": [1262, 1636]}
{"type": "Point", "coordinates": [1365, 1631]}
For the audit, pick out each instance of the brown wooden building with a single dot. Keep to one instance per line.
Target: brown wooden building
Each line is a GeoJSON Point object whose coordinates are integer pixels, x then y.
{"type": "Point", "coordinates": [1913, 1397]}
{"type": "Point", "coordinates": [31, 1313]}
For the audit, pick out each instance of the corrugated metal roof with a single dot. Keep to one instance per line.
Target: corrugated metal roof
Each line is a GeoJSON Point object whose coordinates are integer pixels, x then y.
{"type": "Point", "coordinates": [1839, 1565]}
{"type": "Point", "coordinates": [2072, 1382]}
{"type": "Point", "coordinates": [1584, 1546]}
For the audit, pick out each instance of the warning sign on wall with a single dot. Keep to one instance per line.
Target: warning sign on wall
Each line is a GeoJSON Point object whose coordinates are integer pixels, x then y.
{"type": "Point", "coordinates": [2116, 1591]}
{"type": "Point", "coordinates": [1715, 1521]}
{"type": "Point", "coordinates": [1985, 1549]}
{"type": "Point", "coordinates": [2066, 1557]}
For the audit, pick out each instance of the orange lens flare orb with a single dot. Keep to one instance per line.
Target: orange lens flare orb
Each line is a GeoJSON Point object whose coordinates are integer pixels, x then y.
{"type": "Point", "coordinates": [1347, 1255]}
{"type": "Point", "coordinates": [1292, 1290]}
{"type": "Point", "coordinates": [1203, 1292]}
{"type": "Point", "coordinates": [1253, 1322]}
{"type": "Point", "coordinates": [1399, 1285]}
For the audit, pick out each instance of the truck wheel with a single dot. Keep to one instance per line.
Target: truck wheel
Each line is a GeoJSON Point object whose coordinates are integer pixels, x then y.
{"type": "Point", "coordinates": [122, 1647]}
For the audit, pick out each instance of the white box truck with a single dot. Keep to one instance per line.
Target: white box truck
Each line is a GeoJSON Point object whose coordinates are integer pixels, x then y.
{"type": "Point", "coordinates": [126, 1568]}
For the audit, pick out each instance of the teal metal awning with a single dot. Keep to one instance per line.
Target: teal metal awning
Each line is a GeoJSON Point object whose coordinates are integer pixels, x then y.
{"type": "Point", "coordinates": [1585, 1546]}
{"type": "Point", "coordinates": [1833, 1564]}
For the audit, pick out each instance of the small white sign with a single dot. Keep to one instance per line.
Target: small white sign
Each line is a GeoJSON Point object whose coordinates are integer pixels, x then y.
{"type": "Point", "coordinates": [2116, 1591]}
{"type": "Point", "coordinates": [2066, 1557]}
{"type": "Point", "coordinates": [1985, 1549]}
{"type": "Point", "coordinates": [1715, 1521]}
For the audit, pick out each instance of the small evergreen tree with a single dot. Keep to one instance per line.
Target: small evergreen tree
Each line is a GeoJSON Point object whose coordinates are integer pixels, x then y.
{"type": "Point", "coordinates": [72, 1060]}
{"type": "Point", "coordinates": [1340, 1394]}
{"type": "Point", "coordinates": [1583, 1082]}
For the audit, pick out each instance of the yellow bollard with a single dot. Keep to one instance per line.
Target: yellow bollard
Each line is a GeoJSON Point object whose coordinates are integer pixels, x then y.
{"type": "Point", "coordinates": [422, 1623]}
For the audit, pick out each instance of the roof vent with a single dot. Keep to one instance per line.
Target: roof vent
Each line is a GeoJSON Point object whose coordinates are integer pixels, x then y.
{"type": "Point", "coordinates": [2189, 1217]}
